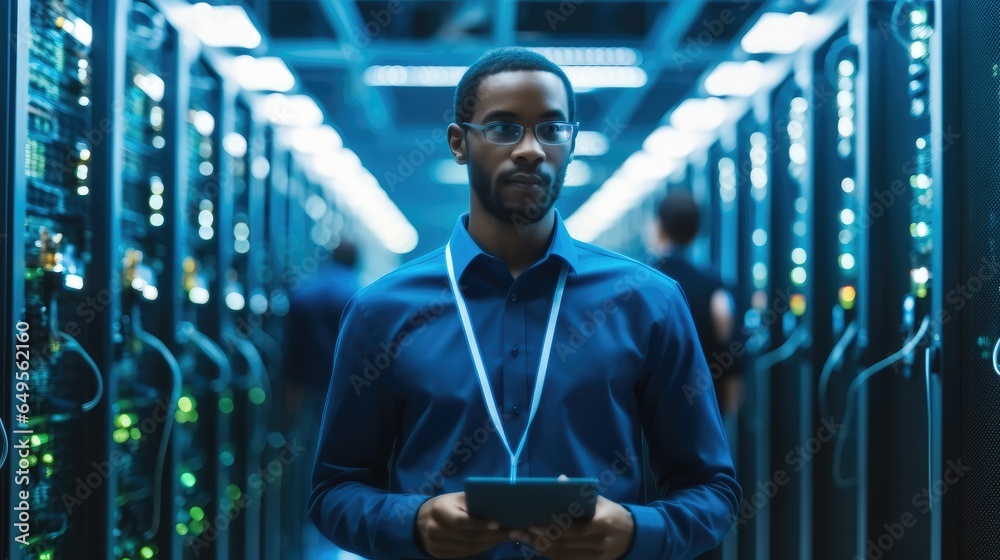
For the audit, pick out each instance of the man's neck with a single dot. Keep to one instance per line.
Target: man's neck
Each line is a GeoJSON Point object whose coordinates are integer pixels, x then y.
{"type": "Point", "coordinates": [519, 246]}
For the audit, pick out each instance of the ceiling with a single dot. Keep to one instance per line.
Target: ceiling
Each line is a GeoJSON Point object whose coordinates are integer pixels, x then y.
{"type": "Point", "coordinates": [394, 130]}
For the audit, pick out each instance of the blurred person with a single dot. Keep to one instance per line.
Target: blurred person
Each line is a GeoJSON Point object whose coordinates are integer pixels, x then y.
{"type": "Point", "coordinates": [709, 298]}
{"type": "Point", "coordinates": [312, 326]}
{"type": "Point", "coordinates": [316, 307]}
{"type": "Point", "coordinates": [407, 419]}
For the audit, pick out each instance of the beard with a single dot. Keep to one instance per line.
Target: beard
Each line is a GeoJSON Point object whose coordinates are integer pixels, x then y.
{"type": "Point", "coordinates": [530, 208]}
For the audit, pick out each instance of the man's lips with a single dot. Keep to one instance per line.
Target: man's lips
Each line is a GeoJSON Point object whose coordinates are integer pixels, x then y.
{"type": "Point", "coordinates": [525, 181]}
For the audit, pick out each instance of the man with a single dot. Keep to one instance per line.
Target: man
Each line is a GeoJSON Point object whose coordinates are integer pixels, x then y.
{"type": "Point", "coordinates": [434, 354]}
{"type": "Point", "coordinates": [710, 301]}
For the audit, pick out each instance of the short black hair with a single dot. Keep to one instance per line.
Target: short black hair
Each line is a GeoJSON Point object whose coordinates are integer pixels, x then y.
{"type": "Point", "coordinates": [679, 217]}
{"type": "Point", "coordinates": [497, 61]}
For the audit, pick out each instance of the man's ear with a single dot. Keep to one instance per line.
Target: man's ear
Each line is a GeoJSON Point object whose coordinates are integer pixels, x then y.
{"type": "Point", "coordinates": [456, 143]}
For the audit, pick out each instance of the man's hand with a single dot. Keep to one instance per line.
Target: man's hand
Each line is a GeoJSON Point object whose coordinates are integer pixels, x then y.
{"type": "Point", "coordinates": [607, 536]}
{"type": "Point", "coordinates": [447, 531]}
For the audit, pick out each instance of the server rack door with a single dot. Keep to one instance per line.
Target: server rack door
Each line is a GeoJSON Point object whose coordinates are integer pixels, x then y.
{"type": "Point", "coordinates": [753, 284]}
{"type": "Point", "coordinates": [146, 380]}
{"type": "Point", "coordinates": [248, 397]}
{"type": "Point", "coordinates": [966, 138]}
{"type": "Point", "coordinates": [789, 370]}
{"type": "Point", "coordinates": [203, 464]}
{"type": "Point", "coordinates": [63, 303]}
{"type": "Point", "coordinates": [899, 217]}
{"type": "Point", "coordinates": [836, 259]}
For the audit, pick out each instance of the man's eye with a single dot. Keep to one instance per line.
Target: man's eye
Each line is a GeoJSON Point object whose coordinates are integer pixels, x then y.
{"type": "Point", "coordinates": [505, 128]}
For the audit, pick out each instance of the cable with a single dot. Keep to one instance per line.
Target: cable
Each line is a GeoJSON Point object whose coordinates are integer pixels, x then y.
{"type": "Point", "coordinates": [930, 423]}
{"type": "Point", "coordinates": [833, 362]}
{"type": "Point", "coordinates": [211, 351]}
{"type": "Point", "coordinates": [783, 352]}
{"type": "Point", "coordinates": [75, 346]}
{"type": "Point", "coordinates": [175, 395]}
{"type": "Point", "coordinates": [6, 444]}
{"type": "Point", "coordinates": [257, 370]}
{"type": "Point", "coordinates": [996, 354]}
{"type": "Point", "coordinates": [838, 479]}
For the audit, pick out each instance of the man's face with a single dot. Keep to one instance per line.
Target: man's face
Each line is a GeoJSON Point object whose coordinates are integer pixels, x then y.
{"type": "Point", "coordinates": [518, 183]}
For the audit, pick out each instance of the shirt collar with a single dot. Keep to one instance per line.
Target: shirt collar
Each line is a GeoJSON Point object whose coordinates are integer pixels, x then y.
{"type": "Point", "coordinates": [464, 249]}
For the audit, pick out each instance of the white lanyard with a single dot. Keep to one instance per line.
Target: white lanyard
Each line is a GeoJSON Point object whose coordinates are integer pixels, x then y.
{"type": "Point", "coordinates": [477, 358]}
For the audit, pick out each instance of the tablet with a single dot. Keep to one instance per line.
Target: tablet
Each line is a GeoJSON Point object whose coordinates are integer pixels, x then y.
{"type": "Point", "coordinates": [531, 501]}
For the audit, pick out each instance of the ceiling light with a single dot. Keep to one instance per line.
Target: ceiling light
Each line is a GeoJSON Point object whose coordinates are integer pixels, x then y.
{"type": "Point", "coordinates": [218, 26]}
{"type": "Point", "coordinates": [591, 143]}
{"type": "Point", "coordinates": [740, 79]}
{"type": "Point", "coordinates": [290, 110]}
{"type": "Point", "coordinates": [591, 56]}
{"type": "Point", "coordinates": [777, 33]}
{"type": "Point", "coordinates": [316, 140]}
{"type": "Point", "coordinates": [671, 143]}
{"type": "Point", "coordinates": [703, 115]}
{"type": "Point", "coordinates": [268, 73]}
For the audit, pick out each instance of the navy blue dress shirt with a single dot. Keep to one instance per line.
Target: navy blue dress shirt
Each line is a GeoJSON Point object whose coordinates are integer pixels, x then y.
{"type": "Point", "coordinates": [405, 417]}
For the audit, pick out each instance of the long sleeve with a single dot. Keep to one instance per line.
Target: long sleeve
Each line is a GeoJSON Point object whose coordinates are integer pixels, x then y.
{"type": "Point", "coordinates": [688, 452]}
{"type": "Point", "coordinates": [350, 501]}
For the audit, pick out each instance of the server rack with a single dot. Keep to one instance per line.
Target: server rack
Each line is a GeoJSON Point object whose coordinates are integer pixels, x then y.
{"type": "Point", "coordinates": [787, 367]}
{"type": "Point", "coordinates": [966, 79]}
{"type": "Point", "coordinates": [146, 381]}
{"type": "Point", "coordinates": [248, 399]}
{"type": "Point", "coordinates": [753, 260]}
{"type": "Point", "coordinates": [203, 464]}
{"type": "Point", "coordinates": [901, 198]}
{"type": "Point", "coordinates": [63, 301]}
{"type": "Point", "coordinates": [839, 298]}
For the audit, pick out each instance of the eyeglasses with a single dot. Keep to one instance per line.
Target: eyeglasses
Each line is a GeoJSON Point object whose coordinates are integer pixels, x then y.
{"type": "Point", "coordinates": [508, 134]}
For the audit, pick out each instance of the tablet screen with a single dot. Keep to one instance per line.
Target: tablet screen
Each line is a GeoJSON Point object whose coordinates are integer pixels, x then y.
{"type": "Point", "coordinates": [531, 501]}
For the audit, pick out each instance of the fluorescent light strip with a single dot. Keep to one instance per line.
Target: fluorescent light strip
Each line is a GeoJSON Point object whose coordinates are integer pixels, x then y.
{"type": "Point", "coordinates": [777, 33]}
{"type": "Point", "coordinates": [358, 191]}
{"type": "Point", "coordinates": [591, 56]}
{"type": "Point", "coordinates": [735, 78]}
{"type": "Point", "coordinates": [582, 77]}
{"type": "Point", "coordinates": [268, 73]}
{"type": "Point", "coordinates": [222, 26]}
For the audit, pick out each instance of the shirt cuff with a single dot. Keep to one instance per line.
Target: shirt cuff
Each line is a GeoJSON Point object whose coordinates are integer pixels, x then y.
{"type": "Point", "coordinates": [400, 527]}
{"type": "Point", "coordinates": [650, 533]}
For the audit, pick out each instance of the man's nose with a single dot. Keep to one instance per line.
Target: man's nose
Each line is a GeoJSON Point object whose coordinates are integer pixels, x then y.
{"type": "Point", "coordinates": [529, 148]}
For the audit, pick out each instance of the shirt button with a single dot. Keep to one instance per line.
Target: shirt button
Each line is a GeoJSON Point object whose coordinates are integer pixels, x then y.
{"type": "Point", "coordinates": [513, 297]}
{"type": "Point", "coordinates": [514, 352]}
{"type": "Point", "coordinates": [516, 410]}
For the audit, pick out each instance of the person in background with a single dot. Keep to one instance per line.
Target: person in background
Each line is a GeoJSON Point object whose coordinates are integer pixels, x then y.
{"type": "Point", "coordinates": [514, 328]}
{"type": "Point", "coordinates": [316, 307]}
{"type": "Point", "coordinates": [312, 327]}
{"type": "Point", "coordinates": [710, 300]}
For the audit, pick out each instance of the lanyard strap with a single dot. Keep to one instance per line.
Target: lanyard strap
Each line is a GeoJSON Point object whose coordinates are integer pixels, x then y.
{"type": "Point", "coordinates": [477, 358]}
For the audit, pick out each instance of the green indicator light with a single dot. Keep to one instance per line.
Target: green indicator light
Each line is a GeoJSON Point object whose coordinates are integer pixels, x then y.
{"type": "Point", "coordinates": [182, 529]}
{"type": "Point", "coordinates": [146, 552]}
{"type": "Point", "coordinates": [188, 479]}
{"type": "Point", "coordinates": [136, 434]}
{"type": "Point", "coordinates": [47, 458]}
{"type": "Point", "coordinates": [226, 405]}
{"type": "Point", "coordinates": [256, 395]}
{"type": "Point", "coordinates": [197, 513]}
{"type": "Point", "coordinates": [120, 435]}
{"type": "Point", "coordinates": [185, 404]}
{"type": "Point", "coordinates": [227, 458]}
{"type": "Point", "coordinates": [234, 492]}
